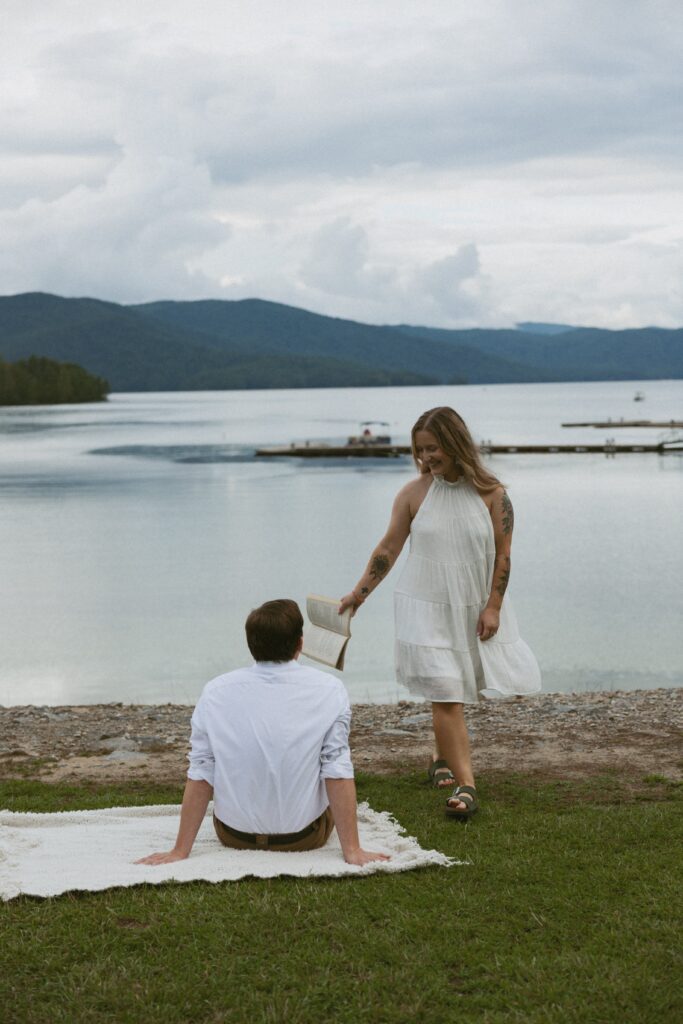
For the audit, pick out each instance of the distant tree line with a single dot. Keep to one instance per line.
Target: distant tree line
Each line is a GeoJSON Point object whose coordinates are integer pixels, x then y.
{"type": "Point", "coordinates": [40, 381]}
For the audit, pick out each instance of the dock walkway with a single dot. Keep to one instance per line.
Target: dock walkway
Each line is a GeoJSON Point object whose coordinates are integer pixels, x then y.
{"type": "Point", "coordinates": [608, 424]}
{"type": "Point", "coordinates": [393, 451]}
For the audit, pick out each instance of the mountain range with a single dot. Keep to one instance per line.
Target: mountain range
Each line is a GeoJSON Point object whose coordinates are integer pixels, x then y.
{"type": "Point", "coordinates": [251, 343]}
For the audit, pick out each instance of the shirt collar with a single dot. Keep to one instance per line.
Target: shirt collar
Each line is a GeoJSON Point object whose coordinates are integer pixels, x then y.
{"type": "Point", "coordinates": [278, 666]}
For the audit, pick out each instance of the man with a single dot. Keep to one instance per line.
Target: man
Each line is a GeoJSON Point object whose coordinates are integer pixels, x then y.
{"type": "Point", "coordinates": [271, 743]}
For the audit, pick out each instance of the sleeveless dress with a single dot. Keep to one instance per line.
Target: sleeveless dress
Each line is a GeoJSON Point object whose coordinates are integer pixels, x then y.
{"type": "Point", "coordinates": [444, 585]}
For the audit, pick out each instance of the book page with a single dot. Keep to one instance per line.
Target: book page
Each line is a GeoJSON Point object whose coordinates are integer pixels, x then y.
{"type": "Point", "coordinates": [324, 646]}
{"type": "Point", "coordinates": [322, 611]}
{"type": "Point", "coordinates": [326, 638]}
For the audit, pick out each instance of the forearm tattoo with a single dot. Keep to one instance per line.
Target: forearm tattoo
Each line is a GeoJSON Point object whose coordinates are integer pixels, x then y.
{"type": "Point", "coordinates": [379, 567]}
{"type": "Point", "coordinates": [502, 577]}
{"type": "Point", "coordinates": [508, 513]}
{"type": "Point", "coordinates": [502, 582]}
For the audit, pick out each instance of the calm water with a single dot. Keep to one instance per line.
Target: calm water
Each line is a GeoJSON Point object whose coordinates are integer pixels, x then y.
{"type": "Point", "coordinates": [137, 534]}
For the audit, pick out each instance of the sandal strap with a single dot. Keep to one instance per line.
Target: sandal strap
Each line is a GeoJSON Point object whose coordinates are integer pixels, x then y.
{"type": "Point", "coordinates": [465, 794]}
{"type": "Point", "coordinates": [437, 767]}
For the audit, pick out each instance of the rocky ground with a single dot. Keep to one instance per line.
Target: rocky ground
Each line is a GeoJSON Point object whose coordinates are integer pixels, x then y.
{"type": "Point", "coordinates": [556, 735]}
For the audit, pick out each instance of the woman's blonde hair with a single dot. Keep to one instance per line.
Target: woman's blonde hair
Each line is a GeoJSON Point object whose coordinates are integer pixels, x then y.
{"type": "Point", "coordinates": [455, 440]}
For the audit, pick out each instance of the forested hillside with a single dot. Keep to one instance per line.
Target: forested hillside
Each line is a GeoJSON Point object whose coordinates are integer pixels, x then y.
{"type": "Point", "coordinates": [217, 344]}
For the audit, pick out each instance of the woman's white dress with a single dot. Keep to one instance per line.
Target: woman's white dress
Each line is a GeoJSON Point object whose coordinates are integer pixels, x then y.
{"type": "Point", "coordinates": [443, 587]}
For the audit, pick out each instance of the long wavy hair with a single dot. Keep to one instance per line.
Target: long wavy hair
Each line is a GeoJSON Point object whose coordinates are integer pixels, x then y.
{"type": "Point", "coordinates": [455, 440]}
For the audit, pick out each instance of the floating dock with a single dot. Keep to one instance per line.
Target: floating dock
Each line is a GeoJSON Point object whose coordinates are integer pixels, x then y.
{"type": "Point", "coordinates": [393, 451]}
{"type": "Point", "coordinates": [343, 451]}
{"type": "Point", "coordinates": [608, 424]}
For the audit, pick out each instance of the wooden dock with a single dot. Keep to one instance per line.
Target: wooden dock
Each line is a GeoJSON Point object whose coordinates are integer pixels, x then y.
{"type": "Point", "coordinates": [607, 448]}
{"type": "Point", "coordinates": [608, 424]}
{"type": "Point", "coordinates": [343, 451]}
{"type": "Point", "coordinates": [393, 451]}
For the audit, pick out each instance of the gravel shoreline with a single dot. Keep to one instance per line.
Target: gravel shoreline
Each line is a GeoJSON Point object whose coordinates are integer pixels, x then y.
{"type": "Point", "coordinates": [570, 735]}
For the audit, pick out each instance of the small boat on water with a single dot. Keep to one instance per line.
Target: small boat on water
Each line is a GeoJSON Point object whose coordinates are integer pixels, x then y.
{"type": "Point", "coordinates": [367, 436]}
{"type": "Point", "coordinates": [639, 396]}
{"type": "Point", "coordinates": [365, 444]}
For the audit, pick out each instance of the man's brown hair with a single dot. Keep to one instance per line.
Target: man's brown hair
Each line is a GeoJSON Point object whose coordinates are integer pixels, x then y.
{"type": "Point", "coordinates": [274, 630]}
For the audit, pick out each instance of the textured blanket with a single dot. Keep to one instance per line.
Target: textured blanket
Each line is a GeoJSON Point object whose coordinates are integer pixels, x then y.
{"type": "Point", "coordinates": [49, 854]}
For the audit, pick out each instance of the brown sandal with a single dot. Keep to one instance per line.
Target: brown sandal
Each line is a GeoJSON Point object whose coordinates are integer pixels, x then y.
{"type": "Point", "coordinates": [466, 795]}
{"type": "Point", "coordinates": [439, 774]}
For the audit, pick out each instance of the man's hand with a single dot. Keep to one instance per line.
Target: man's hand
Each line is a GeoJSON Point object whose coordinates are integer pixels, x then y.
{"type": "Point", "coordinates": [162, 858]}
{"type": "Point", "coordinates": [195, 802]}
{"type": "Point", "coordinates": [361, 857]}
{"type": "Point", "coordinates": [342, 796]}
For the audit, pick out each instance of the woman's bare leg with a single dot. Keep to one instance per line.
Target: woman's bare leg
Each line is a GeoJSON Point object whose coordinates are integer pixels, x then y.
{"type": "Point", "coordinates": [453, 743]}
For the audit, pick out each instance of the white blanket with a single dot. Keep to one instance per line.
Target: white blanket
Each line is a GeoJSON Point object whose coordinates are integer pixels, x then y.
{"type": "Point", "coordinates": [49, 854]}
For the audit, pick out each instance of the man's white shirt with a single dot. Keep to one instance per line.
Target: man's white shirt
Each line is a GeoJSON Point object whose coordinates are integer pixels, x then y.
{"type": "Point", "coordinates": [266, 738]}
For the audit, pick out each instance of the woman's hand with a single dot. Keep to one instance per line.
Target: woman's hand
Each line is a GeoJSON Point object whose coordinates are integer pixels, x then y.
{"type": "Point", "coordinates": [350, 601]}
{"type": "Point", "coordinates": [488, 623]}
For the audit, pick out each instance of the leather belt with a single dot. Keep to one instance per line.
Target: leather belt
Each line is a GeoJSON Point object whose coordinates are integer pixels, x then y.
{"type": "Point", "coordinates": [279, 839]}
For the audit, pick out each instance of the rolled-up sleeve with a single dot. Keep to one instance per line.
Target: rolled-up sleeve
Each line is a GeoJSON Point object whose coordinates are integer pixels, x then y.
{"type": "Point", "coordinates": [201, 757]}
{"type": "Point", "coordinates": [335, 756]}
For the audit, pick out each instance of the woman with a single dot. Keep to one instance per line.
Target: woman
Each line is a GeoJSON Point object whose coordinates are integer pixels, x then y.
{"type": "Point", "coordinates": [456, 636]}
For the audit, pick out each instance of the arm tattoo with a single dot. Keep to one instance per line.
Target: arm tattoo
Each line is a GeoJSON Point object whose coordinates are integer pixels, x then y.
{"type": "Point", "coordinates": [502, 582]}
{"type": "Point", "coordinates": [379, 567]}
{"type": "Point", "coordinates": [364, 591]}
{"type": "Point", "coordinates": [508, 514]}
{"type": "Point", "coordinates": [502, 577]}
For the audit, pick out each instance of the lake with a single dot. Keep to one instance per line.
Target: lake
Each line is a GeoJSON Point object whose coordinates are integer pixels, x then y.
{"type": "Point", "coordinates": [137, 534]}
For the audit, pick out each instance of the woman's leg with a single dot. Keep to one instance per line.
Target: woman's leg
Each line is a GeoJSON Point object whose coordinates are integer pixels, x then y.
{"type": "Point", "coordinates": [453, 743]}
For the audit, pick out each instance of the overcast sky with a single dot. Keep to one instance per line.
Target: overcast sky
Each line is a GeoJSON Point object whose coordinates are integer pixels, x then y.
{"type": "Point", "coordinates": [444, 162]}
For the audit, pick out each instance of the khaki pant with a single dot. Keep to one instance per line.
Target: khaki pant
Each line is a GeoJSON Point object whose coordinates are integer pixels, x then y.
{"type": "Point", "coordinates": [320, 832]}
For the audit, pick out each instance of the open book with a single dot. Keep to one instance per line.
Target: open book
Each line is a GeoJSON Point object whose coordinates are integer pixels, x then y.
{"type": "Point", "coordinates": [326, 638]}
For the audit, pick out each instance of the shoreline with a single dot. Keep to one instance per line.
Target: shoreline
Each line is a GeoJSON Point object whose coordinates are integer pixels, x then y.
{"type": "Point", "coordinates": [571, 735]}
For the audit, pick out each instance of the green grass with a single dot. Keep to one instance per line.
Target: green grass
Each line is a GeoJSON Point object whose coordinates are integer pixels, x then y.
{"type": "Point", "coordinates": [565, 913]}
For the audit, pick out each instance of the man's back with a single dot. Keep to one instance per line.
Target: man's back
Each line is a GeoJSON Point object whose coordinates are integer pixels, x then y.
{"type": "Point", "coordinates": [271, 744]}
{"type": "Point", "coordinates": [266, 737]}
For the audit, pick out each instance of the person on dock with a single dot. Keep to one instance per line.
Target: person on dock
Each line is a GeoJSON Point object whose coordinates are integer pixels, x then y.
{"type": "Point", "coordinates": [456, 633]}
{"type": "Point", "coordinates": [271, 744]}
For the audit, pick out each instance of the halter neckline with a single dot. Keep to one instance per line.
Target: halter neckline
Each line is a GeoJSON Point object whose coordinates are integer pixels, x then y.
{"type": "Point", "coordinates": [449, 483]}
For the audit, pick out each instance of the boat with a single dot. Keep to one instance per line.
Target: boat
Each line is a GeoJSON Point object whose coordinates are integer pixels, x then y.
{"type": "Point", "coordinates": [639, 396]}
{"type": "Point", "coordinates": [365, 444]}
{"type": "Point", "coordinates": [367, 437]}
{"type": "Point", "coordinates": [671, 441]}
{"type": "Point", "coordinates": [321, 450]}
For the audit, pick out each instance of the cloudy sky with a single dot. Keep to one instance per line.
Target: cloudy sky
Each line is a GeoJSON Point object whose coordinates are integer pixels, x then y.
{"type": "Point", "coordinates": [445, 162]}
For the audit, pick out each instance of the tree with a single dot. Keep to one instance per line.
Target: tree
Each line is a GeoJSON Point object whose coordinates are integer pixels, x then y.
{"type": "Point", "coordinates": [40, 381]}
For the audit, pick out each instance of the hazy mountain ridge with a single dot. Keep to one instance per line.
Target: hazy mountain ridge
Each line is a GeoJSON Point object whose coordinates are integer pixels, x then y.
{"type": "Point", "coordinates": [581, 353]}
{"type": "Point", "coordinates": [142, 353]}
{"type": "Point", "coordinates": [272, 327]}
{"type": "Point", "coordinates": [251, 343]}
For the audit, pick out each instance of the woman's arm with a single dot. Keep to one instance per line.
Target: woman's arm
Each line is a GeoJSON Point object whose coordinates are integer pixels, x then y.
{"type": "Point", "coordinates": [503, 518]}
{"type": "Point", "coordinates": [387, 551]}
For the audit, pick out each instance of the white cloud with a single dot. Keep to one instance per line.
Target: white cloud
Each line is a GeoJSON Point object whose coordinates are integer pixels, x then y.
{"type": "Point", "coordinates": [449, 163]}
{"type": "Point", "coordinates": [338, 263]}
{"type": "Point", "coordinates": [131, 238]}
